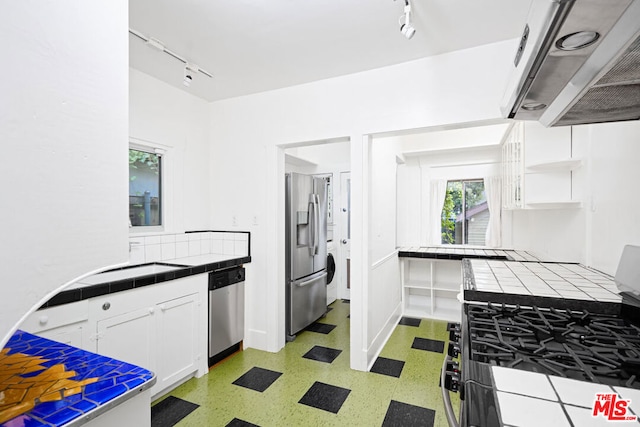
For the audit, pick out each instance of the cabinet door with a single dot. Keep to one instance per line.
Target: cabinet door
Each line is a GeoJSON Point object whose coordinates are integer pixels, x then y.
{"type": "Point", "coordinates": [68, 334]}
{"type": "Point", "coordinates": [177, 332]}
{"type": "Point", "coordinates": [129, 337]}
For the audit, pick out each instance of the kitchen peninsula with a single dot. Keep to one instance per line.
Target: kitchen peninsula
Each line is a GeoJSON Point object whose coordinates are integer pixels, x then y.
{"type": "Point", "coordinates": [45, 383]}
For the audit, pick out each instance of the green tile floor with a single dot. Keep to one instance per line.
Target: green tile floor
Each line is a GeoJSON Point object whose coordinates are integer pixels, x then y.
{"type": "Point", "coordinates": [221, 401]}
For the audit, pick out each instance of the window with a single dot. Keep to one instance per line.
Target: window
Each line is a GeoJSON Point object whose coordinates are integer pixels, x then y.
{"type": "Point", "coordinates": [465, 214]}
{"type": "Point", "coordinates": [145, 179]}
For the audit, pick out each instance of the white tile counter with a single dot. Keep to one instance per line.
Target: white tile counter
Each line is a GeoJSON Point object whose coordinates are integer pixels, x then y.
{"type": "Point", "coordinates": [534, 399]}
{"type": "Point", "coordinates": [566, 281]}
{"type": "Point", "coordinates": [458, 252]}
{"type": "Point", "coordinates": [201, 259]}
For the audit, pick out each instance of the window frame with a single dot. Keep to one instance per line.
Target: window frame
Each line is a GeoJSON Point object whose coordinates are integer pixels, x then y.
{"type": "Point", "coordinates": [162, 151]}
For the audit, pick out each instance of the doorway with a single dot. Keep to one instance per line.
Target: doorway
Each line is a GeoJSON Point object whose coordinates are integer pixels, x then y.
{"type": "Point", "coordinates": [344, 291]}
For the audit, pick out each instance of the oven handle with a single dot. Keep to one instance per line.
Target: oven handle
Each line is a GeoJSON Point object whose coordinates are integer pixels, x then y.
{"type": "Point", "coordinates": [448, 408]}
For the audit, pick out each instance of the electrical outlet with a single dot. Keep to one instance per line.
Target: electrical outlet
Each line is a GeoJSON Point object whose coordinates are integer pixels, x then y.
{"type": "Point", "coordinates": [255, 220]}
{"type": "Point", "coordinates": [234, 220]}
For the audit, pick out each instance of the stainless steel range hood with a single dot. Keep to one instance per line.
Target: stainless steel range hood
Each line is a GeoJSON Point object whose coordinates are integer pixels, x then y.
{"type": "Point", "coordinates": [559, 83]}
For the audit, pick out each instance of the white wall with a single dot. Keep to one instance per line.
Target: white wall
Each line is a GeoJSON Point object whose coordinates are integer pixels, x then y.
{"type": "Point", "coordinates": [63, 117]}
{"type": "Point", "coordinates": [554, 234]}
{"type": "Point", "coordinates": [382, 210]}
{"type": "Point", "coordinates": [611, 200]}
{"type": "Point", "coordinates": [430, 92]}
{"type": "Point", "coordinates": [384, 288]}
{"type": "Point", "coordinates": [606, 184]}
{"type": "Point", "coordinates": [161, 115]}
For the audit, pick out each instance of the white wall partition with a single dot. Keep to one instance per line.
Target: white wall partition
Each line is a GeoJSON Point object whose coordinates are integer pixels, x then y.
{"type": "Point", "coordinates": [63, 127]}
{"type": "Point", "coordinates": [610, 198]}
{"type": "Point", "coordinates": [176, 121]}
{"type": "Point", "coordinates": [384, 289]}
{"type": "Point", "coordinates": [431, 92]}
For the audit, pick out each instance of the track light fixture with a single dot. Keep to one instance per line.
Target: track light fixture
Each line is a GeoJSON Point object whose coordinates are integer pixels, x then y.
{"type": "Point", "coordinates": [406, 28]}
{"type": "Point", "coordinates": [190, 69]}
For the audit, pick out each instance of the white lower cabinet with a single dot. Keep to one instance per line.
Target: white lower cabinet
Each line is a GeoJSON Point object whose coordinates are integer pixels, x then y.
{"type": "Point", "coordinates": [160, 327]}
{"type": "Point", "coordinates": [67, 324]}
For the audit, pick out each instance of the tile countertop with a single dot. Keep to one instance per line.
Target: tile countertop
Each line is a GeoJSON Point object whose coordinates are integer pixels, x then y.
{"type": "Point", "coordinates": [136, 276]}
{"type": "Point", "coordinates": [458, 253]}
{"type": "Point", "coordinates": [45, 383]}
{"type": "Point", "coordinates": [533, 399]}
{"type": "Point", "coordinates": [542, 284]}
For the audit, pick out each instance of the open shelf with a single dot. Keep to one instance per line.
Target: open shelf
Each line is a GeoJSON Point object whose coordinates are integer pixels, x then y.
{"type": "Point", "coordinates": [569, 204]}
{"type": "Point", "coordinates": [446, 287]}
{"type": "Point", "coordinates": [430, 288]}
{"type": "Point", "coordinates": [417, 284]}
{"type": "Point", "coordinates": [556, 166]}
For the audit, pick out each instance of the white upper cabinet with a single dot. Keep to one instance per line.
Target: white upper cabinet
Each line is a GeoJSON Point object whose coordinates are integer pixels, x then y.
{"type": "Point", "coordinates": [538, 166]}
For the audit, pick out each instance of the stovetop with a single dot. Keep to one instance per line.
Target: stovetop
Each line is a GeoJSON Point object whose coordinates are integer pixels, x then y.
{"type": "Point", "coordinates": [577, 344]}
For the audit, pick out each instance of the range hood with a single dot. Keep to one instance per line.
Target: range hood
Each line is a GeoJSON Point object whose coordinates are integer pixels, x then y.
{"type": "Point", "coordinates": [578, 61]}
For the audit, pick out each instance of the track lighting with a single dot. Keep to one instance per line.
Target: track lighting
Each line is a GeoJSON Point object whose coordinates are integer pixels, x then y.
{"type": "Point", "coordinates": [190, 69]}
{"type": "Point", "coordinates": [188, 75]}
{"type": "Point", "coordinates": [406, 28]}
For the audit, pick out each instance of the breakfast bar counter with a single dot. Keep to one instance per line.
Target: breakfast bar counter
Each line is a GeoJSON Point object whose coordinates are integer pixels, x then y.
{"type": "Point", "coordinates": [44, 383]}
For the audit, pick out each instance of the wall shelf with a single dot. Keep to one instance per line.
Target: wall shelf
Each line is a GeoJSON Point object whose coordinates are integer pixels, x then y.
{"type": "Point", "coordinates": [556, 166]}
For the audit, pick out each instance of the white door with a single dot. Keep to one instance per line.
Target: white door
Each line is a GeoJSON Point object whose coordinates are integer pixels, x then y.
{"type": "Point", "coordinates": [345, 236]}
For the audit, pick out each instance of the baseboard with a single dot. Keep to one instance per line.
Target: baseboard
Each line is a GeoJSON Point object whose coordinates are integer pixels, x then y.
{"type": "Point", "coordinates": [256, 339]}
{"type": "Point", "coordinates": [383, 336]}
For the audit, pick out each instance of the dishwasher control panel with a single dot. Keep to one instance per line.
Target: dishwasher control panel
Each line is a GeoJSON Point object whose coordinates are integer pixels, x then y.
{"type": "Point", "coordinates": [220, 279]}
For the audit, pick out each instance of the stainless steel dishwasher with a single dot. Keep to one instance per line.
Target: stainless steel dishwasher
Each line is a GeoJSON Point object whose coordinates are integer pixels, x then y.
{"type": "Point", "coordinates": [226, 313]}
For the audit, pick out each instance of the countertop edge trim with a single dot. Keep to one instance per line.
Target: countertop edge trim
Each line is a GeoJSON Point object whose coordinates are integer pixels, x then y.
{"type": "Point", "coordinates": [100, 289]}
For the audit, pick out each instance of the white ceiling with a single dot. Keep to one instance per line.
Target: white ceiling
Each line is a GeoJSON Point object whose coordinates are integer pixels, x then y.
{"type": "Point", "coordinates": [252, 46]}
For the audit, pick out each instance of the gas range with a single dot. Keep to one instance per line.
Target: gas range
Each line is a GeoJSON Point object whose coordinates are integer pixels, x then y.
{"type": "Point", "coordinates": [559, 343]}
{"type": "Point", "coordinates": [531, 343]}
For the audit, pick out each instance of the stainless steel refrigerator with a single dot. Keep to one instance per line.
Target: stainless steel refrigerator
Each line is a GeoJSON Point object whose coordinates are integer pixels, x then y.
{"type": "Point", "coordinates": [306, 251]}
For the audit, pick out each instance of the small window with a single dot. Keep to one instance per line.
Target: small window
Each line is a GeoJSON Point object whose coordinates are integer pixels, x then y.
{"type": "Point", "coordinates": [145, 179]}
{"type": "Point", "coordinates": [465, 214]}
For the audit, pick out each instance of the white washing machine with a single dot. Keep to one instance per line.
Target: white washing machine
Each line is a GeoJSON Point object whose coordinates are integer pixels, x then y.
{"type": "Point", "coordinates": [332, 263]}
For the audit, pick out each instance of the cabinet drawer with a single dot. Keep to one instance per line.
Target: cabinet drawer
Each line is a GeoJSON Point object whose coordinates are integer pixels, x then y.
{"type": "Point", "coordinates": [54, 317]}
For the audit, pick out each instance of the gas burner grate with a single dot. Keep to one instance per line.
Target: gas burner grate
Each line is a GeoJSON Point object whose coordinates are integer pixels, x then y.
{"type": "Point", "coordinates": [570, 343]}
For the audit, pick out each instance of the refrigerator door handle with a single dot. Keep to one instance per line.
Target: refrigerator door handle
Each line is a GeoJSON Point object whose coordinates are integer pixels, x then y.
{"type": "Point", "coordinates": [316, 227]}
{"type": "Point", "coordinates": [307, 282]}
{"type": "Point", "coordinates": [312, 226]}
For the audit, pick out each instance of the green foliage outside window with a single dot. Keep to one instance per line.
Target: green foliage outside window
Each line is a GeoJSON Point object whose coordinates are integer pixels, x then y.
{"type": "Point", "coordinates": [453, 205]}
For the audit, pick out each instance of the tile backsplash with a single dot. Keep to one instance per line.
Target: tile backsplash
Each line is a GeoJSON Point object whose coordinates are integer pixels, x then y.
{"type": "Point", "coordinates": [164, 247]}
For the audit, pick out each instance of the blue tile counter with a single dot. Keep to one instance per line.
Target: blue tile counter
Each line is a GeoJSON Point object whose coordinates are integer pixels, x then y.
{"type": "Point", "coordinates": [44, 383]}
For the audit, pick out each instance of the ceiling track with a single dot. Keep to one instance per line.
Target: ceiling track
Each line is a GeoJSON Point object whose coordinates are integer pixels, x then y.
{"type": "Point", "coordinates": [156, 44]}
